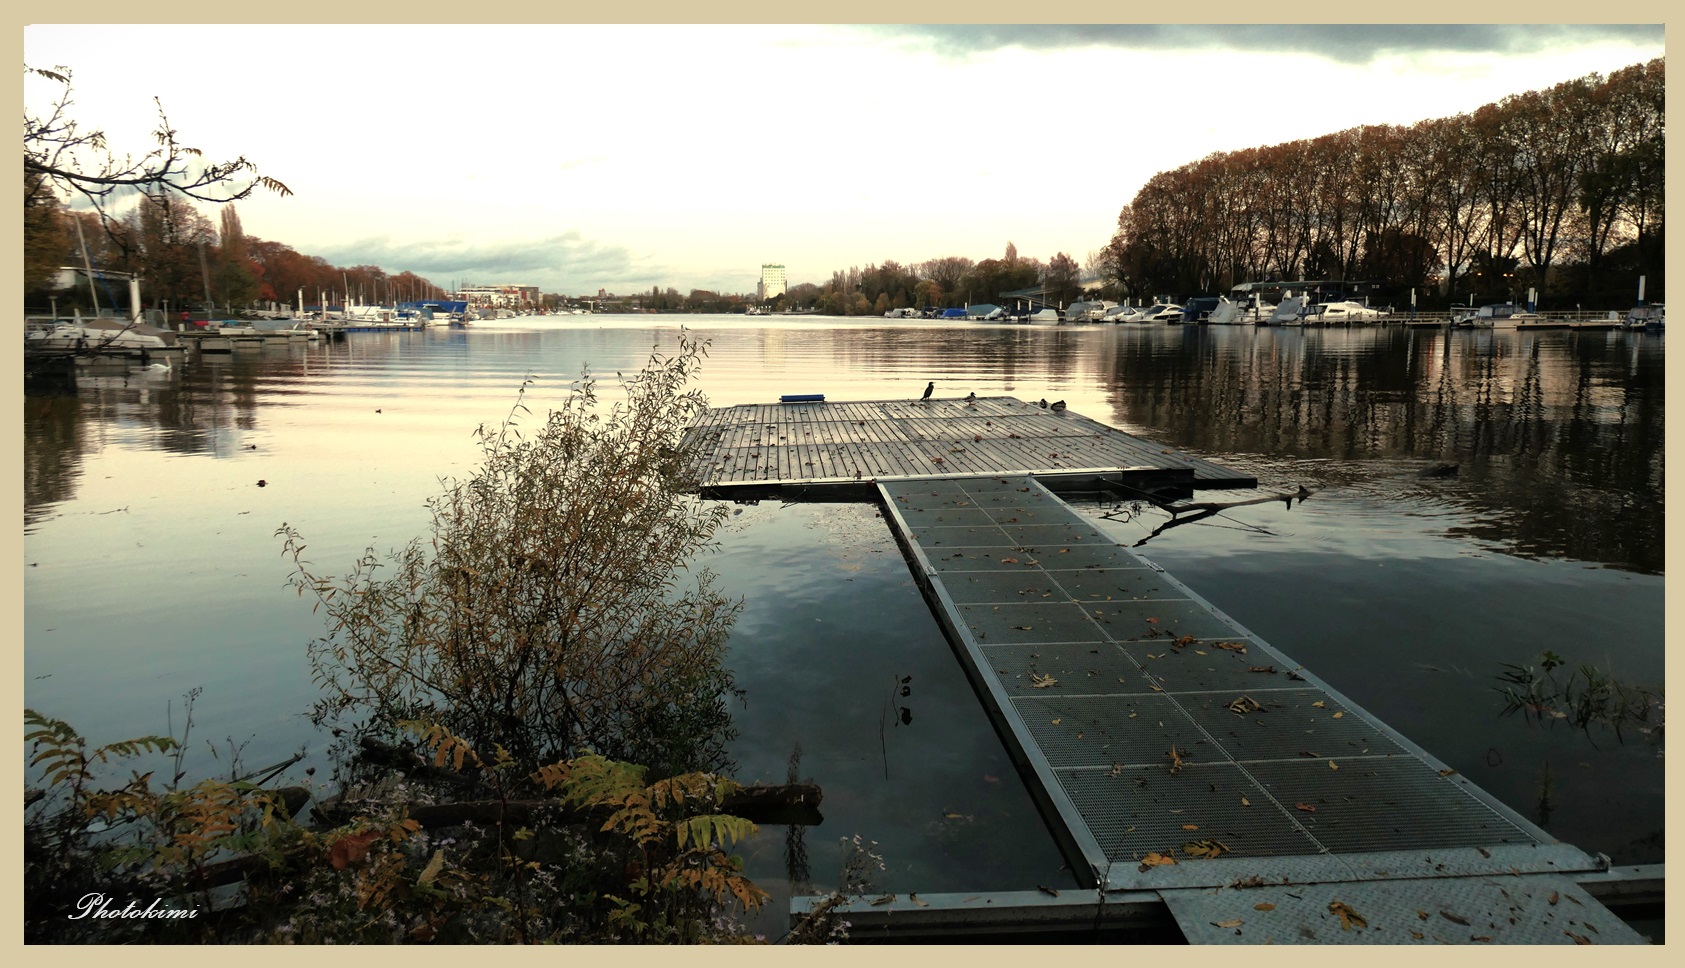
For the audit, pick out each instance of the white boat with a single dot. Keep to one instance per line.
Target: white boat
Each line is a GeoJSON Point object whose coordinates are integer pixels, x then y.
{"type": "Point", "coordinates": [99, 335]}
{"type": "Point", "coordinates": [1231, 313]}
{"type": "Point", "coordinates": [1160, 313]}
{"type": "Point", "coordinates": [1090, 311]}
{"type": "Point", "coordinates": [1046, 316]}
{"type": "Point", "coordinates": [1652, 318]}
{"type": "Point", "coordinates": [1286, 314]}
{"type": "Point", "coordinates": [1341, 312]}
{"type": "Point", "coordinates": [1488, 316]}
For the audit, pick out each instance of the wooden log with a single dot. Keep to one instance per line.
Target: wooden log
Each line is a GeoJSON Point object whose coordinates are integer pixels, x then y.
{"type": "Point", "coordinates": [791, 803]}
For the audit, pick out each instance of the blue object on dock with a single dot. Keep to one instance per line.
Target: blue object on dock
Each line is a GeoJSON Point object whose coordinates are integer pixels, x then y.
{"type": "Point", "coordinates": [802, 398]}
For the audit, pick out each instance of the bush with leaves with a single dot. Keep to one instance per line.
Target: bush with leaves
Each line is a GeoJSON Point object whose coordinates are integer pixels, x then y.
{"type": "Point", "coordinates": [550, 613]}
{"type": "Point", "coordinates": [616, 858]}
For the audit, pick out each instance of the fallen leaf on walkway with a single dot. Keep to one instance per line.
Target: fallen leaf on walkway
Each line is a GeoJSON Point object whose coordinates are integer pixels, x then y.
{"type": "Point", "coordinates": [1209, 849]}
{"type": "Point", "coordinates": [1447, 915]}
{"type": "Point", "coordinates": [1305, 807]}
{"type": "Point", "coordinates": [1040, 681]}
{"type": "Point", "coordinates": [1156, 859]}
{"type": "Point", "coordinates": [1231, 923]}
{"type": "Point", "coordinates": [1231, 647]}
{"type": "Point", "coordinates": [1578, 938]}
{"type": "Point", "coordinates": [1265, 906]}
{"type": "Point", "coordinates": [1175, 759]}
{"type": "Point", "coordinates": [1348, 917]}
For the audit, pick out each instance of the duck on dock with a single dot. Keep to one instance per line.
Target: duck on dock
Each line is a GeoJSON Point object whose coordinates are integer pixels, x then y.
{"type": "Point", "coordinates": [1058, 405]}
{"type": "Point", "coordinates": [929, 388]}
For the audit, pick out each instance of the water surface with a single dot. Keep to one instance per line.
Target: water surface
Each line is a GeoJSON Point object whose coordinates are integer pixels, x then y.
{"type": "Point", "coordinates": [151, 565]}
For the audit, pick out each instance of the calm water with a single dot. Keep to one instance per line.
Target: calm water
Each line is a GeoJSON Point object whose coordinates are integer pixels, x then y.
{"type": "Point", "coordinates": [151, 565]}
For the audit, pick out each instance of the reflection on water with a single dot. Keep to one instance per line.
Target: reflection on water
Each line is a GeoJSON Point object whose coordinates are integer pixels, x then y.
{"type": "Point", "coordinates": [154, 566]}
{"type": "Point", "coordinates": [1558, 437]}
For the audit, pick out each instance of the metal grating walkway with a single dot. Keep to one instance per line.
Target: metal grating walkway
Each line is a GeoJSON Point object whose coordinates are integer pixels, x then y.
{"type": "Point", "coordinates": [820, 446]}
{"type": "Point", "coordinates": [1173, 751]}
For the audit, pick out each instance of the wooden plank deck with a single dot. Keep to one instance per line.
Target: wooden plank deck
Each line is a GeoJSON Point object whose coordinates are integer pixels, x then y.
{"type": "Point", "coordinates": [1174, 752]}
{"type": "Point", "coordinates": [820, 444]}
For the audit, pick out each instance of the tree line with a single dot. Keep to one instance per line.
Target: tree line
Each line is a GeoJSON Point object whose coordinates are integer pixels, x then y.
{"type": "Point", "coordinates": [947, 282]}
{"type": "Point", "coordinates": [1561, 190]}
{"type": "Point", "coordinates": [189, 263]}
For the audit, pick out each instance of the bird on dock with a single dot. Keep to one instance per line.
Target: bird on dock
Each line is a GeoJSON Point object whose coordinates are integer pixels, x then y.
{"type": "Point", "coordinates": [1056, 405]}
{"type": "Point", "coordinates": [1044, 403]}
{"type": "Point", "coordinates": [929, 388]}
{"type": "Point", "coordinates": [971, 397]}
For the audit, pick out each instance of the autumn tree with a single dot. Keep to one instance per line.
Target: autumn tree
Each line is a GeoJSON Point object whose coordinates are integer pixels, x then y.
{"type": "Point", "coordinates": [1061, 280]}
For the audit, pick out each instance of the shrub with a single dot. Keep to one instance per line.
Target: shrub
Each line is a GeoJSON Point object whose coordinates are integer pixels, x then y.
{"type": "Point", "coordinates": [554, 610]}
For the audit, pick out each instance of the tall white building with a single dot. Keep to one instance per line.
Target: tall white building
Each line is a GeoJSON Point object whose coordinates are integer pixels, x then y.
{"type": "Point", "coordinates": [772, 283]}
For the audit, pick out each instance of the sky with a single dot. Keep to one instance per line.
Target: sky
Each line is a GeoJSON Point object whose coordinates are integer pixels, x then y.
{"type": "Point", "coordinates": [620, 157]}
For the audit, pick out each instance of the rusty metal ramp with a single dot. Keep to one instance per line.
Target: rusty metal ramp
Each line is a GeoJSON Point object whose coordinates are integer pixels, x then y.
{"type": "Point", "coordinates": [1174, 751]}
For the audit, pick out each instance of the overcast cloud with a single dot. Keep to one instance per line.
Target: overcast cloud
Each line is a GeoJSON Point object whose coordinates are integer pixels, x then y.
{"type": "Point", "coordinates": [578, 157]}
{"type": "Point", "coordinates": [1347, 43]}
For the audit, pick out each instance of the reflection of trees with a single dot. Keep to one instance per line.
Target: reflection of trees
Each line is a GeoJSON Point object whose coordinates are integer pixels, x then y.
{"type": "Point", "coordinates": [1559, 436]}
{"type": "Point", "coordinates": [199, 407]}
{"type": "Point", "coordinates": [53, 427]}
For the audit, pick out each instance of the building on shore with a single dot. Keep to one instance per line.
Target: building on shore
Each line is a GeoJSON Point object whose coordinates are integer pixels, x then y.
{"type": "Point", "coordinates": [499, 297]}
{"type": "Point", "coordinates": [772, 284]}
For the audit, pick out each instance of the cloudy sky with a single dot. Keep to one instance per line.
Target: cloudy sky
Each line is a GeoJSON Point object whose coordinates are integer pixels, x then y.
{"type": "Point", "coordinates": [579, 157]}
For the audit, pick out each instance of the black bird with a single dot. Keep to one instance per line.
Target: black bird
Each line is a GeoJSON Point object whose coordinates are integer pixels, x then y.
{"type": "Point", "coordinates": [1044, 403]}
{"type": "Point", "coordinates": [971, 397]}
{"type": "Point", "coordinates": [929, 388]}
{"type": "Point", "coordinates": [1057, 405]}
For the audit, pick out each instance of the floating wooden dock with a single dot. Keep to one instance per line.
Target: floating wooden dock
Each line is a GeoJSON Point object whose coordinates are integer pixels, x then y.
{"type": "Point", "coordinates": [820, 449]}
{"type": "Point", "coordinates": [1188, 770]}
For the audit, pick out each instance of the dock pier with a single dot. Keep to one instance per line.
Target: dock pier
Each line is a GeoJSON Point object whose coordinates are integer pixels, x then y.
{"type": "Point", "coordinates": [1189, 771]}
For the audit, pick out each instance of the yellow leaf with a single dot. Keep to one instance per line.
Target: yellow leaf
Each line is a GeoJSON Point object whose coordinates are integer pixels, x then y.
{"type": "Point", "coordinates": [1156, 859]}
{"type": "Point", "coordinates": [1231, 923]}
{"type": "Point", "coordinates": [1265, 906]}
{"type": "Point", "coordinates": [1348, 917]}
{"type": "Point", "coordinates": [1319, 704]}
{"type": "Point", "coordinates": [1190, 826]}
{"type": "Point", "coordinates": [1057, 721]}
{"type": "Point", "coordinates": [433, 868]}
{"type": "Point", "coordinates": [1245, 802]}
{"type": "Point", "coordinates": [1332, 765]}
{"type": "Point", "coordinates": [1208, 848]}
{"type": "Point", "coordinates": [1337, 715]}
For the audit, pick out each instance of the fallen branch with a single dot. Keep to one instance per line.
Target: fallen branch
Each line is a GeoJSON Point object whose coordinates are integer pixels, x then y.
{"type": "Point", "coordinates": [791, 803]}
{"type": "Point", "coordinates": [1303, 494]}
